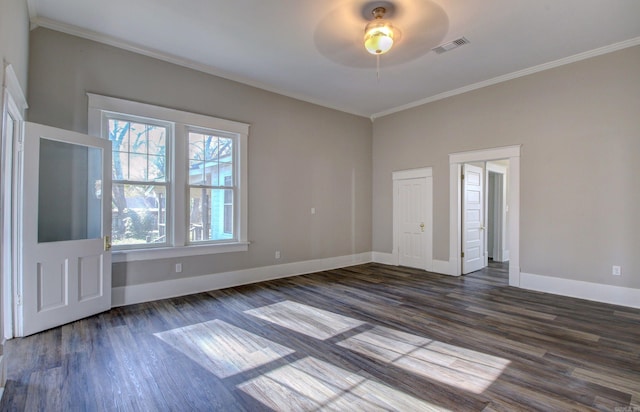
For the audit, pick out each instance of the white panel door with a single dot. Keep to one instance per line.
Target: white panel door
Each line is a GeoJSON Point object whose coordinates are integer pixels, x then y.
{"type": "Point", "coordinates": [472, 220]}
{"type": "Point", "coordinates": [65, 271]}
{"type": "Point", "coordinates": [414, 222]}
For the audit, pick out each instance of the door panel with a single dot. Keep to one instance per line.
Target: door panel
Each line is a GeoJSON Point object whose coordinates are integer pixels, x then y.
{"type": "Point", "coordinates": [472, 220]}
{"type": "Point", "coordinates": [65, 270]}
{"type": "Point", "coordinates": [414, 222]}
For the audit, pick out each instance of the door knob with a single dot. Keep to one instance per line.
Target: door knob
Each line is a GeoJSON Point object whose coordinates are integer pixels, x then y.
{"type": "Point", "coordinates": [107, 243]}
{"type": "Point", "coordinates": [422, 227]}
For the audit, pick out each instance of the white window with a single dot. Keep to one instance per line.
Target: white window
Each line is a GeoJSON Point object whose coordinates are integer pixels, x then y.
{"type": "Point", "coordinates": [139, 180]}
{"type": "Point", "coordinates": [179, 180]}
{"type": "Point", "coordinates": [211, 186]}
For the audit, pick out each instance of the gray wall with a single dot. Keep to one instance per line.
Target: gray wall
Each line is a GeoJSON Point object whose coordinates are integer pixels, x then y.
{"type": "Point", "coordinates": [14, 38]}
{"type": "Point", "coordinates": [580, 132]}
{"type": "Point", "coordinates": [300, 155]}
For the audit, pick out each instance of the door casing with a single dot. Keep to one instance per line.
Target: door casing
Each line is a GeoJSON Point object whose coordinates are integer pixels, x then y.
{"type": "Point", "coordinates": [456, 160]}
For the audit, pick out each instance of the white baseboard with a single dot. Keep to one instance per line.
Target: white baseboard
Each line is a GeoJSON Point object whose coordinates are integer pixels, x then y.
{"type": "Point", "coordinates": [383, 258]}
{"type": "Point", "coordinates": [444, 267]}
{"type": "Point", "coordinates": [616, 295]}
{"type": "Point", "coordinates": [128, 295]}
{"type": "Point", "coordinates": [3, 374]}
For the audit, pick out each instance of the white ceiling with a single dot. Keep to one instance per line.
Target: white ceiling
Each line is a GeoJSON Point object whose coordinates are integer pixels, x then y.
{"type": "Point", "coordinates": [312, 50]}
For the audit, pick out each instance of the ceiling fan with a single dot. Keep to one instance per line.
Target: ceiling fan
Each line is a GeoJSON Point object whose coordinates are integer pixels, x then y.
{"type": "Point", "coordinates": [402, 30]}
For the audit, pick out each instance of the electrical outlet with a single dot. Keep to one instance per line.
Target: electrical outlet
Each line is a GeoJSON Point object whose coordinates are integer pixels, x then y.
{"type": "Point", "coordinates": [277, 254]}
{"type": "Point", "coordinates": [616, 271]}
{"type": "Point", "coordinates": [178, 267]}
{"type": "Point", "coordinates": [313, 210]}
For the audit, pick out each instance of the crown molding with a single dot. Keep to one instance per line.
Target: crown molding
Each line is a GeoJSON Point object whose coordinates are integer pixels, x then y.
{"type": "Point", "coordinates": [180, 61]}
{"type": "Point", "coordinates": [156, 54]}
{"type": "Point", "coordinates": [525, 72]}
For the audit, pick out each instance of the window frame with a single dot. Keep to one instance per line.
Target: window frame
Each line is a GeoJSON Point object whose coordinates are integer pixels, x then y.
{"type": "Point", "coordinates": [100, 107]}
{"type": "Point", "coordinates": [167, 184]}
{"type": "Point", "coordinates": [234, 182]}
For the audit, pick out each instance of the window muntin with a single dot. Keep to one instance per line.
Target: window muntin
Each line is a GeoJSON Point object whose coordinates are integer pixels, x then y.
{"type": "Point", "coordinates": [177, 200]}
{"type": "Point", "coordinates": [140, 183]}
{"type": "Point", "coordinates": [211, 186]}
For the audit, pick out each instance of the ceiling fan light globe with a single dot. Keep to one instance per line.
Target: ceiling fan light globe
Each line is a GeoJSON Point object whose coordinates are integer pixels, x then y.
{"type": "Point", "coordinates": [378, 37]}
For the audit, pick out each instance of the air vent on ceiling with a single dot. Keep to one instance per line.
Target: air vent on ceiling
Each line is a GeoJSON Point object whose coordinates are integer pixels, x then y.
{"type": "Point", "coordinates": [451, 45]}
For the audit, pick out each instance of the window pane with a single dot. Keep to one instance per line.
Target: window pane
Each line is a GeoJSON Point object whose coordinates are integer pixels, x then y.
{"type": "Point", "coordinates": [120, 165]}
{"type": "Point", "coordinates": [139, 214]}
{"type": "Point", "coordinates": [157, 141]}
{"type": "Point", "coordinates": [139, 151]}
{"type": "Point", "coordinates": [196, 146]}
{"type": "Point", "coordinates": [119, 134]}
{"type": "Point", "coordinates": [196, 172]}
{"type": "Point", "coordinates": [226, 174]}
{"type": "Point", "coordinates": [226, 149]}
{"type": "Point", "coordinates": [211, 173]}
{"type": "Point", "coordinates": [138, 167]}
{"type": "Point", "coordinates": [210, 215]}
{"type": "Point", "coordinates": [69, 208]}
{"type": "Point", "coordinates": [156, 169]}
{"type": "Point", "coordinates": [138, 137]}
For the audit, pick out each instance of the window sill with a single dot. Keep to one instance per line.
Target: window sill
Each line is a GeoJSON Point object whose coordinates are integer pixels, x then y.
{"type": "Point", "coordinates": [177, 251]}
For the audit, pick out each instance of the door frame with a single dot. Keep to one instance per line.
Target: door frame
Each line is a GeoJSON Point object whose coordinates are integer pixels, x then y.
{"type": "Point", "coordinates": [14, 105]}
{"type": "Point", "coordinates": [456, 160]}
{"type": "Point", "coordinates": [425, 173]}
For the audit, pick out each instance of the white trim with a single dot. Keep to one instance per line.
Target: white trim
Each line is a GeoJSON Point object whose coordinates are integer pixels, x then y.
{"type": "Point", "coordinates": [425, 173]}
{"type": "Point", "coordinates": [510, 76]}
{"type": "Point", "coordinates": [177, 251]}
{"type": "Point", "coordinates": [482, 155]}
{"type": "Point", "coordinates": [384, 258]}
{"type": "Point", "coordinates": [412, 173]}
{"type": "Point", "coordinates": [12, 85]}
{"type": "Point", "coordinates": [616, 295]}
{"type": "Point", "coordinates": [13, 103]}
{"type": "Point", "coordinates": [455, 165]}
{"type": "Point", "coordinates": [128, 295]}
{"type": "Point", "coordinates": [128, 107]}
{"type": "Point", "coordinates": [444, 267]}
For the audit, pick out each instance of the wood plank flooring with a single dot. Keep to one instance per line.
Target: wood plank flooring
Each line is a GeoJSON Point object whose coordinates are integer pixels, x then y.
{"type": "Point", "coordinates": [368, 337]}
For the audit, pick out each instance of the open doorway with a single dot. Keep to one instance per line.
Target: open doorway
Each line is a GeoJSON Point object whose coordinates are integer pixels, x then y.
{"type": "Point", "coordinates": [484, 214]}
{"type": "Point", "coordinates": [456, 163]}
{"type": "Point", "coordinates": [497, 211]}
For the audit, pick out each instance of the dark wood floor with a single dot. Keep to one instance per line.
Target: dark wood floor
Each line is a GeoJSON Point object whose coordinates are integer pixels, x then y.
{"type": "Point", "coordinates": [369, 337]}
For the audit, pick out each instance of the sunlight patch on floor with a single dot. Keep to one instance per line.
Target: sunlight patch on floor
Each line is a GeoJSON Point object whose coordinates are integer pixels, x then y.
{"type": "Point", "coordinates": [223, 349]}
{"type": "Point", "coordinates": [449, 364]}
{"type": "Point", "coordinates": [311, 384]}
{"type": "Point", "coordinates": [310, 321]}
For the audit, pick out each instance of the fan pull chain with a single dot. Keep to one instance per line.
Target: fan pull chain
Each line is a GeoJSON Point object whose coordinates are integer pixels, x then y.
{"type": "Point", "coordinates": [378, 67]}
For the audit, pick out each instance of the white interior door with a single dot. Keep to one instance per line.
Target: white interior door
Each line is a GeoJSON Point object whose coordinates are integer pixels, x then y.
{"type": "Point", "coordinates": [472, 220]}
{"type": "Point", "coordinates": [65, 271]}
{"type": "Point", "coordinates": [414, 222]}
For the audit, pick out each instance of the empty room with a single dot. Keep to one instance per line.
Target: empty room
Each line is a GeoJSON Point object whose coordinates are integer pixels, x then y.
{"type": "Point", "coordinates": [404, 205]}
